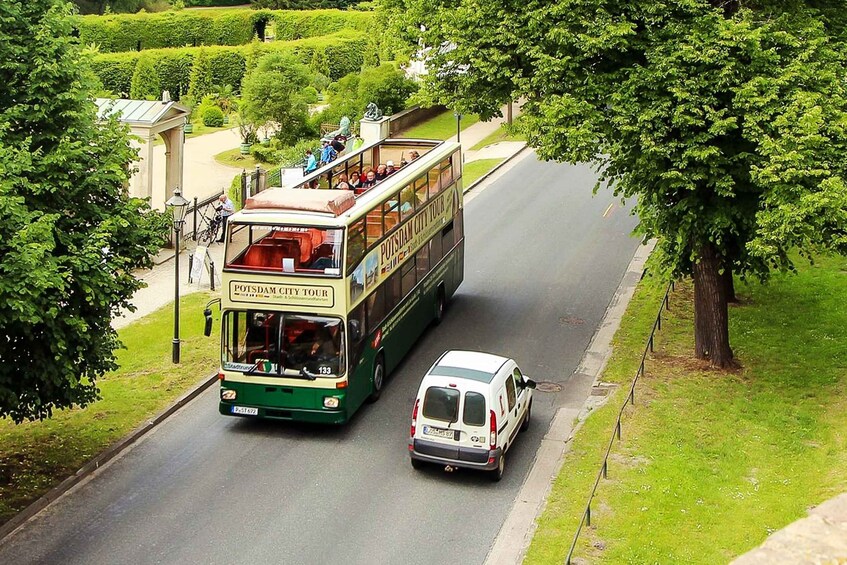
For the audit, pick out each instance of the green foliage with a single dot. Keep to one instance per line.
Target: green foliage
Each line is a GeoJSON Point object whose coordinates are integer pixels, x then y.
{"type": "Point", "coordinates": [314, 23]}
{"type": "Point", "coordinates": [310, 95]}
{"type": "Point", "coordinates": [386, 86]}
{"type": "Point", "coordinates": [213, 117]}
{"type": "Point", "coordinates": [265, 153]}
{"type": "Point", "coordinates": [129, 32]}
{"type": "Point", "coordinates": [226, 65]}
{"type": "Point", "coordinates": [145, 80]}
{"type": "Point", "coordinates": [301, 4]}
{"type": "Point", "coordinates": [725, 124]}
{"type": "Point", "coordinates": [70, 237]}
{"type": "Point", "coordinates": [201, 76]}
{"type": "Point", "coordinates": [273, 96]}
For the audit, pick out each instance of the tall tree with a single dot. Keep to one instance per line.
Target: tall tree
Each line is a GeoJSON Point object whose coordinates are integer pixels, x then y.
{"type": "Point", "coordinates": [724, 120]}
{"type": "Point", "coordinates": [272, 96]}
{"type": "Point", "coordinates": [70, 236]}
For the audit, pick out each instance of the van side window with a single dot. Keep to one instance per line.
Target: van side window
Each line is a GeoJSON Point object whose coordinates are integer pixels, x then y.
{"type": "Point", "coordinates": [518, 378]}
{"type": "Point", "coordinates": [510, 393]}
{"type": "Point", "coordinates": [474, 414]}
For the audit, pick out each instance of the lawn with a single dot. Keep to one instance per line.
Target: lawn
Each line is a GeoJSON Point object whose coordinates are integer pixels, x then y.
{"type": "Point", "coordinates": [442, 126]}
{"type": "Point", "coordinates": [475, 169]}
{"type": "Point", "coordinates": [234, 158]}
{"type": "Point", "coordinates": [502, 133]}
{"type": "Point", "coordinates": [34, 457]}
{"type": "Point", "coordinates": [712, 462]}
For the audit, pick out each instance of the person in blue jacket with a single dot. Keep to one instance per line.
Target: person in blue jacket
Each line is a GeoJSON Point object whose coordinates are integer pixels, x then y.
{"type": "Point", "coordinates": [311, 162]}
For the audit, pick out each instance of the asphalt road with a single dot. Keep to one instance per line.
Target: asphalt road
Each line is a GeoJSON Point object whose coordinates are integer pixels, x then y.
{"type": "Point", "coordinates": [543, 260]}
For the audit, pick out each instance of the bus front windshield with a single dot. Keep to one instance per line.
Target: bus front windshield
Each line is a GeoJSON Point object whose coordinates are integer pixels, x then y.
{"type": "Point", "coordinates": [283, 344]}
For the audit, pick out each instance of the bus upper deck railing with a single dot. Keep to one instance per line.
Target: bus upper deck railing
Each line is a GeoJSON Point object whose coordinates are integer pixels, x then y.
{"type": "Point", "coordinates": [616, 432]}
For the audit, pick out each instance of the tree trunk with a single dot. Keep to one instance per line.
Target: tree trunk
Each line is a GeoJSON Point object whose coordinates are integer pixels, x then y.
{"type": "Point", "coordinates": [711, 318]}
{"type": "Point", "coordinates": [729, 286]}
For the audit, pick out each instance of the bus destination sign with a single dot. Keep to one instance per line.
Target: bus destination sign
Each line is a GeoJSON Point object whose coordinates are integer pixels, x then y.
{"type": "Point", "coordinates": [293, 294]}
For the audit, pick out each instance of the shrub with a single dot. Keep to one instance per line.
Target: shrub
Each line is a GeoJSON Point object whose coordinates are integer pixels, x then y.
{"type": "Point", "coordinates": [213, 117]}
{"type": "Point", "coordinates": [386, 86]}
{"type": "Point", "coordinates": [145, 80]}
{"type": "Point", "coordinates": [115, 72]}
{"type": "Point", "coordinates": [265, 153]}
{"type": "Point", "coordinates": [310, 95]}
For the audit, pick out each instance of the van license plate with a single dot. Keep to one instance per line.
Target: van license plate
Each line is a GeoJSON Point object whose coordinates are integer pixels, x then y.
{"type": "Point", "coordinates": [438, 432]}
{"type": "Point", "coordinates": [245, 410]}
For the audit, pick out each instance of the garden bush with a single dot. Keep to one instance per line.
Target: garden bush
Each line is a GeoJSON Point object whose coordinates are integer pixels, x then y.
{"type": "Point", "coordinates": [213, 117]}
{"type": "Point", "coordinates": [290, 25]}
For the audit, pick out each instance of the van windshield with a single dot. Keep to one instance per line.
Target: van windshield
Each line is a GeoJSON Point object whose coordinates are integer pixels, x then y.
{"type": "Point", "coordinates": [441, 403]}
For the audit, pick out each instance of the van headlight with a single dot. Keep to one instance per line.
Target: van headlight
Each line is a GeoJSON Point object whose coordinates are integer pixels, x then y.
{"type": "Point", "coordinates": [331, 402]}
{"type": "Point", "coordinates": [228, 394]}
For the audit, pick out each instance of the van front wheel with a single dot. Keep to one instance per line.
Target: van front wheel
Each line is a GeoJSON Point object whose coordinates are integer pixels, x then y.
{"type": "Point", "coordinates": [497, 473]}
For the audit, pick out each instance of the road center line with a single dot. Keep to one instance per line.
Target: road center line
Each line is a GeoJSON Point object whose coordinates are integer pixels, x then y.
{"type": "Point", "coordinates": [609, 209]}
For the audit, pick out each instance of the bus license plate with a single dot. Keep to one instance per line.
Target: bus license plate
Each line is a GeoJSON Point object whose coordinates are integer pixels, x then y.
{"type": "Point", "coordinates": [245, 410]}
{"type": "Point", "coordinates": [438, 432]}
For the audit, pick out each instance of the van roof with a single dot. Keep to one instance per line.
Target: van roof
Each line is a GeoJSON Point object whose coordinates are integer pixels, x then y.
{"type": "Point", "coordinates": [473, 365]}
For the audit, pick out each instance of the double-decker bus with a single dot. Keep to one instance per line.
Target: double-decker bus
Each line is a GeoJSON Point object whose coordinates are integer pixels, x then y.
{"type": "Point", "coordinates": [325, 290]}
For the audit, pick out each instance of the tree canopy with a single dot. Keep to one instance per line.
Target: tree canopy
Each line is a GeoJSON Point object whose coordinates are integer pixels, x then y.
{"type": "Point", "coordinates": [273, 96]}
{"type": "Point", "coordinates": [724, 120]}
{"type": "Point", "coordinates": [70, 236]}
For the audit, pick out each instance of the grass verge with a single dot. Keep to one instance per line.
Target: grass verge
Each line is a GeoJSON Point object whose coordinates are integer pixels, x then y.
{"type": "Point", "coordinates": [502, 133]}
{"type": "Point", "coordinates": [234, 158]}
{"type": "Point", "coordinates": [36, 456]}
{"type": "Point", "coordinates": [711, 462]}
{"type": "Point", "coordinates": [475, 169]}
{"type": "Point", "coordinates": [442, 126]}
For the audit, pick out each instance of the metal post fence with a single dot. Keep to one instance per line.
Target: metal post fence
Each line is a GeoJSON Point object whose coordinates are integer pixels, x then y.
{"type": "Point", "coordinates": [630, 399]}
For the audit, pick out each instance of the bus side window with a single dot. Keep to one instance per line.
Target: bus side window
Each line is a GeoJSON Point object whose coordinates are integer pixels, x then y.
{"type": "Point", "coordinates": [434, 187]}
{"type": "Point", "coordinates": [435, 254]}
{"type": "Point", "coordinates": [446, 172]}
{"type": "Point", "coordinates": [393, 292]}
{"type": "Point", "coordinates": [355, 243]}
{"type": "Point", "coordinates": [422, 262]}
{"type": "Point", "coordinates": [375, 305]}
{"type": "Point", "coordinates": [448, 238]}
{"type": "Point", "coordinates": [391, 213]}
{"type": "Point", "coordinates": [374, 226]}
{"type": "Point", "coordinates": [408, 277]}
{"type": "Point", "coordinates": [421, 192]}
{"type": "Point", "coordinates": [407, 202]}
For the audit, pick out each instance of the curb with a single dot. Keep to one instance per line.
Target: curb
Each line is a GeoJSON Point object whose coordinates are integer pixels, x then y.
{"type": "Point", "coordinates": [518, 529]}
{"type": "Point", "coordinates": [104, 457]}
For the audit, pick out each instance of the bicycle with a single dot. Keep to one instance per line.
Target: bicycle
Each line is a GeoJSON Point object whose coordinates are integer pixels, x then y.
{"type": "Point", "coordinates": [209, 233]}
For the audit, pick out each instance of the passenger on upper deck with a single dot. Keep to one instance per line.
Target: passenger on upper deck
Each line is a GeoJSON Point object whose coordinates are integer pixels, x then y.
{"type": "Point", "coordinates": [389, 168]}
{"type": "Point", "coordinates": [370, 179]}
{"type": "Point", "coordinates": [380, 172]}
{"type": "Point", "coordinates": [413, 155]}
{"type": "Point", "coordinates": [355, 181]}
{"type": "Point", "coordinates": [342, 183]}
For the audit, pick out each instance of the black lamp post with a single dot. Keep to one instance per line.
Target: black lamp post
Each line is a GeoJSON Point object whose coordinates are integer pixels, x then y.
{"type": "Point", "coordinates": [458, 127]}
{"type": "Point", "coordinates": [178, 207]}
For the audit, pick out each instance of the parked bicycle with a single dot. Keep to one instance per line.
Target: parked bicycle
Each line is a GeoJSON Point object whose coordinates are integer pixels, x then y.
{"type": "Point", "coordinates": [211, 231]}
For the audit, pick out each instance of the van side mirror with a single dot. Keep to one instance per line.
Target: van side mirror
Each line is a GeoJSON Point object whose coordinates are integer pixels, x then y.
{"type": "Point", "coordinates": [528, 383]}
{"type": "Point", "coordinates": [355, 331]}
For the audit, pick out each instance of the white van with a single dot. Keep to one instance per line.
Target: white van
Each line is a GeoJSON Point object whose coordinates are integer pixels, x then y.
{"type": "Point", "coordinates": [468, 411]}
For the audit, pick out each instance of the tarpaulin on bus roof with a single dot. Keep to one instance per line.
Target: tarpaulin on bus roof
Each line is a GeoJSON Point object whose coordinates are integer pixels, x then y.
{"type": "Point", "coordinates": [334, 202]}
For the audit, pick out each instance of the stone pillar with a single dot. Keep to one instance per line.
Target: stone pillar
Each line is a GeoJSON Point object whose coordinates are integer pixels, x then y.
{"type": "Point", "coordinates": [372, 131]}
{"type": "Point", "coordinates": [174, 158]}
{"type": "Point", "coordinates": [143, 187]}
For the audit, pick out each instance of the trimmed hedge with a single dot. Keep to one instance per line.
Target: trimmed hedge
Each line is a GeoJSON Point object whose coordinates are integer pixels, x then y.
{"type": "Point", "coordinates": [132, 32]}
{"type": "Point", "coordinates": [334, 55]}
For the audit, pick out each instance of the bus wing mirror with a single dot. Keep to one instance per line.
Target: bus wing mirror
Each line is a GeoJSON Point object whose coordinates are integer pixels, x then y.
{"type": "Point", "coordinates": [207, 330]}
{"type": "Point", "coordinates": [355, 331]}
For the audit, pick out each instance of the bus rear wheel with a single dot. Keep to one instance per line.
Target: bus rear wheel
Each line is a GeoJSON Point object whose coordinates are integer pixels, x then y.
{"type": "Point", "coordinates": [378, 379]}
{"type": "Point", "coordinates": [440, 305]}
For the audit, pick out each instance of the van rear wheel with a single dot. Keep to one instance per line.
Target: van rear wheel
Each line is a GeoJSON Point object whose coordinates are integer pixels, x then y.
{"type": "Point", "coordinates": [497, 473]}
{"type": "Point", "coordinates": [378, 378]}
{"type": "Point", "coordinates": [417, 464]}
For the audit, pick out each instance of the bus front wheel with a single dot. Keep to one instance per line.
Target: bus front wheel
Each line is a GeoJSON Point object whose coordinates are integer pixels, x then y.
{"type": "Point", "coordinates": [378, 379]}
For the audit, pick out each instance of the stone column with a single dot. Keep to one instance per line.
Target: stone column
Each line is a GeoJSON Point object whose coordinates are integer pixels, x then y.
{"type": "Point", "coordinates": [372, 131]}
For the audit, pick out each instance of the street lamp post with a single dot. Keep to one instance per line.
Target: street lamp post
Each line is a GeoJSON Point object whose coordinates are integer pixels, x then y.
{"type": "Point", "coordinates": [178, 207]}
{"type": "Point", "coordinates": [458, 127]}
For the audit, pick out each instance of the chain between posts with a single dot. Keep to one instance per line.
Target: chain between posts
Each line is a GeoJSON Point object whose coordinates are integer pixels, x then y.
{"type": "Point", "coordinates": [630, 399]}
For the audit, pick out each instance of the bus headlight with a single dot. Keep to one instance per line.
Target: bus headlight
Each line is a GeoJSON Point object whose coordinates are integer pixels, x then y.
{"type": "Point", "coordinates": [228, 394]}
{"type": "Point", "coordinates": [331, 402]}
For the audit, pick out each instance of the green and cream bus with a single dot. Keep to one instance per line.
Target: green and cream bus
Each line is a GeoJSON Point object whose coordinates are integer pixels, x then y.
{"type": "Point", "coordinates": [325, 290]}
